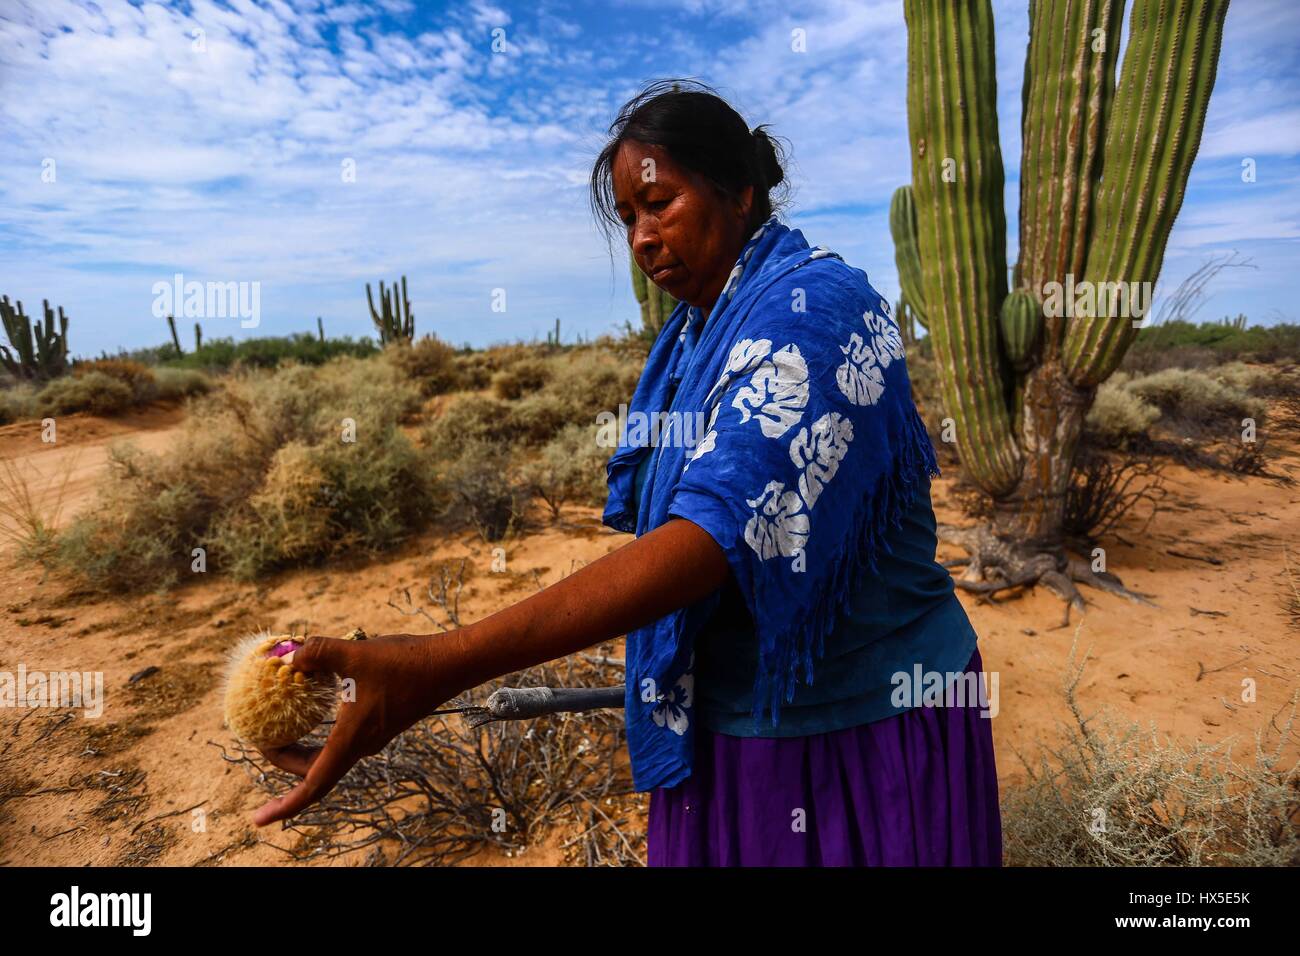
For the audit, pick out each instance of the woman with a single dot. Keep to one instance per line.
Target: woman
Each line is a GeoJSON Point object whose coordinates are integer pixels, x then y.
{"type": "Point", "coordinates": [790, 536]}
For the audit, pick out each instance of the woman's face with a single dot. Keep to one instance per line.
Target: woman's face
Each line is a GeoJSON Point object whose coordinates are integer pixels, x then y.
{"type": "Point", "coordinates": [683, 233]}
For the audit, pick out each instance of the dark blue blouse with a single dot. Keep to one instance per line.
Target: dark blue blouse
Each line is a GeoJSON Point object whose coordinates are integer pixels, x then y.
{"type": "Point", "coordinates": [904, 620]}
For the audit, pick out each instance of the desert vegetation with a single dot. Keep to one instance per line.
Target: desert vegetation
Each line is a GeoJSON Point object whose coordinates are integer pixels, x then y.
{"type": "Point", "coordinates": [295, 464]}
{"type": "Point", "coordinates": [319, 471]}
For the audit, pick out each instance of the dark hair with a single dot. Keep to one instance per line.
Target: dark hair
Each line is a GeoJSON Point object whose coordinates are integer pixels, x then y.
{"type": "Point", "coordinates": [701, 132]}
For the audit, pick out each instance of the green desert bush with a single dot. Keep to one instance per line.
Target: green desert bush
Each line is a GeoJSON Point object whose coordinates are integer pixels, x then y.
{"type": "Point", "coordinates": [94, 392]}
{"type": "Point", "coordinates": [570, 468]}
{"type": "Point", "coordinates": [1114, 794]}
{"type": "Point", "coordinates": [317, 501]}
{"type": "Point", "coordinates": [1261, 343]}
{"type": "Point", "coordinates": [272, 351]}
{"type": "Point", "coordinates": [1118, 417]}
{"type": "Point", "coordinates": [429, 362]}
{"type": "Point", "coordinates": [277, 468]}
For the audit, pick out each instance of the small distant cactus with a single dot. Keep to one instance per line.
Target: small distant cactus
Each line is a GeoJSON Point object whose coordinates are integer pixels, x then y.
{"type": "Point", "coordinates": [1239, 323]}
{"type": "Point", "coordinates": [656, 304]}
{"type": "Point", "coordinates": [553, 338]}
{"type": "Point", "coordinates": [320, 327]}
{"type": "Point", "coordinates": [198, 337]}
{"type": "Point", "coordinates": [176, 339]}
{"type": "Point", "coordinates": [393, 319]}
{"type": "Point", "coordinates": [39, 352]}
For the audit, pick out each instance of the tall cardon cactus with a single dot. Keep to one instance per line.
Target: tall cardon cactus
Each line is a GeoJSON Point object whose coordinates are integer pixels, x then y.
{"type": "Point", "coordinates": [656, 304]}
{"type": "Point", "coordinates": [38, 352]}
{"type": "Point", "coordinates": [1104, 165]}
{"type": "Point", "coordinates": [393, 319]}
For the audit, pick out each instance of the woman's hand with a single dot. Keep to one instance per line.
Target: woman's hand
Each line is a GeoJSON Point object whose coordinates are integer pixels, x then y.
{"type": "Point", "coordinates": [398, 679]}
{"type": "Point", "coordinates": [402, 678]}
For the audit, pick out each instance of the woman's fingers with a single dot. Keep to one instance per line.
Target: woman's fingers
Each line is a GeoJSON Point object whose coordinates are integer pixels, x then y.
{"type": "Point", "coordinates": [320, 654]}
{"type": "Point", "coordinates": [295, 758]}
{"type": "Point", "coordinates": [326, 769]}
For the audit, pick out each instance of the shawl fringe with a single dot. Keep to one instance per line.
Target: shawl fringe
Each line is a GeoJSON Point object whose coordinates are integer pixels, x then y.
{"type": "Point", "coordinates": [913, 462]}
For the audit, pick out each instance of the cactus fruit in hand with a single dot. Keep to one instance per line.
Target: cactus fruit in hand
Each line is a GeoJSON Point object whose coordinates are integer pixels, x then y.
{"type": "Point", "coordinates": [267, 703]}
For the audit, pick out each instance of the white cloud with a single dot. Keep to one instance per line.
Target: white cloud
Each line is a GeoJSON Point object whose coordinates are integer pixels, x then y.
{"type": "Point", "coordinates": [471, 168]}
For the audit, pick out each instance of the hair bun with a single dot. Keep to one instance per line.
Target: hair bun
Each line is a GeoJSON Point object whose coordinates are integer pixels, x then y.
{"type": "Point", "coordinates": [768, 163]}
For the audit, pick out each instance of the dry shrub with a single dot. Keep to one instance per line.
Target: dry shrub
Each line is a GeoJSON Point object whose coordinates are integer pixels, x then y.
{"type": "Point", "coordinates": [589, 381]}
{"type": "Point", "coordinates": [1250, 379]}
{"type": "Point", "coordinates": [1116, 795]}
{"type": "Point", "coordinates": [436, 793]}
{"type": "Point", "coordinates": [1118, 417]}
{"type": "Point", "coordinates": [137, 377]}
{"type": "Point", "coordinates": [237, 482]}
{"type": "Point", "coordinates": [285, 520]}
{"type": "Point", "coordinates": [174, 384]}
{"type": "Point", "coordinates": [483, 489]}
{"type": "Point", "coordinates": [470, 418]}
{"type": "Point", "coordinates": [1144, 361]}
{"type": "Point", "coordinates": [429, 362]}
{"type": "Point", "coordinates": [17, 401]}
{"type": "Point", "coordinates": [1104, 491]}
{"type": "Point", "coordinates": [501, 357]}
{"type": "Point", "coordinates": [521, 378]}
{"type": "Point", "coordinates": [26, 522]}
{"type": "Point", "coordinates": [537, 419]}
{"type": "Point", "coordinates": [1196, 401]}
{"type": "Point", "coordinates": [475, 370]}
{"type": "Point", "coordinates": [93, 392]}
{"type": "Point", "coordinates": [154, 509]}
{"type": "Point", "coordinates": [1291, 597]}
{"type": "Point", "coordinates": [570, 468]}
{"type": "Point", "coordinates": [972, 500]}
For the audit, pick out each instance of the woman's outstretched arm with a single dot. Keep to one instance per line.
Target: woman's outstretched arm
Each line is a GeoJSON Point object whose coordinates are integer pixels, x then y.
{"type": "Point", "coordinates": [672, 566]}
{"type": "Point", "coordinates": [399, 679]}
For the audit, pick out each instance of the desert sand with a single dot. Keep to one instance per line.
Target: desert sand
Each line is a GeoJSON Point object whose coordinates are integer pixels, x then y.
{"type": "Point", "coordinates": [118, 790]}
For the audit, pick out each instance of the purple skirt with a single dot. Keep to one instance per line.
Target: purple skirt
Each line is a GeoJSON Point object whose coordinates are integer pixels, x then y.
{"type": "Point", "coordinates": [916, 789]}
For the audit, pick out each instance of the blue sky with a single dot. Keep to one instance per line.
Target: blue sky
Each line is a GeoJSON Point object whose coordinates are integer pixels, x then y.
{"type": "Point", "coordinates": [225, 163]}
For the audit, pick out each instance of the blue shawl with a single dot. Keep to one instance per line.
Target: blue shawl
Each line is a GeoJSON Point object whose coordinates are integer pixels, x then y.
{"type": "Point", "coordinates": [784, 426]}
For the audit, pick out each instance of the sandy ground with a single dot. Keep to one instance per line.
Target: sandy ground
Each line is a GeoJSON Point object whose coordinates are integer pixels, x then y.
{"type": "Point", "coordinates": [120, 789]}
